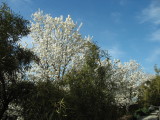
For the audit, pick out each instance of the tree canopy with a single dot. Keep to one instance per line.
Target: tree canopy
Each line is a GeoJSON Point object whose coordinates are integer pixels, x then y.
{"type": "Point", "coordinates": [14, 59]}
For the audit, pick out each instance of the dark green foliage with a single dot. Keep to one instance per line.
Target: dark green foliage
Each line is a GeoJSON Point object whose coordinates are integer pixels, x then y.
{"type": "Point", "coordinates": [88, 101]}
{"type": "Point", "coordinates": [132, 108]}
{"type": "Point", "coordinates": [12, 28]}
{"type": "Point", "coordinates": [150, 93]}
{"type": "Point", "coordinates": [141, 112]}
{"type": "Point", "coordinates": [17, 92]}
{"type": "Point", "coordinates": [13, 58]}
{"type": "Point", "coordinates": [45, 102]}
{"type": "Point", "coordinates": [90, 97]}
{"type": "Point", "coordinates": [154, 92]}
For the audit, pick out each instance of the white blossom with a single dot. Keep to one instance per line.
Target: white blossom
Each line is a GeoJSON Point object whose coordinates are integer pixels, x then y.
{"type": "Point", "coordinates": [127, 76]}
{"type": "Point", "coordinates": [58, 44]}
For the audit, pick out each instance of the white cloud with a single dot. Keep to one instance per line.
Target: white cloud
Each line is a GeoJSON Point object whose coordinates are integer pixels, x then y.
{"type": "Point", "coordinates": [154, 56]}
{"type": "Point", "coordinates": [151, 13]}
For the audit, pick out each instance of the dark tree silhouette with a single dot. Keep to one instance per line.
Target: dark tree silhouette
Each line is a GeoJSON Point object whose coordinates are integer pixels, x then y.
{"type": "Point", "coordinates": [14, 60]}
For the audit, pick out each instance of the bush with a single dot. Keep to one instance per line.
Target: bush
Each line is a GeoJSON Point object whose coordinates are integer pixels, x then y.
{"type": "Point", "coordinates": [141, 112]}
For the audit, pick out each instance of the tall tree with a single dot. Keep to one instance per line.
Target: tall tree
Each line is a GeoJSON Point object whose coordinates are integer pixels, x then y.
{"type": "Point", "coordinates": [150, 91]}
{"type": "Point", "coordinates": [58, 43]}
{"type": "Point", "coordinates": [128, 77]}
{"type": "Point", "coordinates": [14, 59]}
{"type": "Point", "coordinates": [90, 96]}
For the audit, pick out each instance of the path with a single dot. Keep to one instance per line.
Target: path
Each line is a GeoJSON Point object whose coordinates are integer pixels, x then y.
{"type": "Point", "coordinates": [152, 116]}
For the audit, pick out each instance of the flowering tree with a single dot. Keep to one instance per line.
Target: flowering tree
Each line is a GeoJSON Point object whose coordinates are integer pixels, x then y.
{"type": "Point", "coordinates": [130, 76]}
{"type": "Point", "coordinates": [58, 44]}
{"type": "Point", "coordinates": [127, 77]}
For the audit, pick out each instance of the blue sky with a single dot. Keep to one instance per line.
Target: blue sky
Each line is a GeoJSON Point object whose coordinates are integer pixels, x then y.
{"type": "Point", "coordinates": [128, 29]}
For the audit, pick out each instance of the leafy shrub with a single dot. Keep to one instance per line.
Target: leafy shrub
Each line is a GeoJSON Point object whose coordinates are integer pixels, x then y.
{"type": "Point", "coordinates": [141, 112]}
